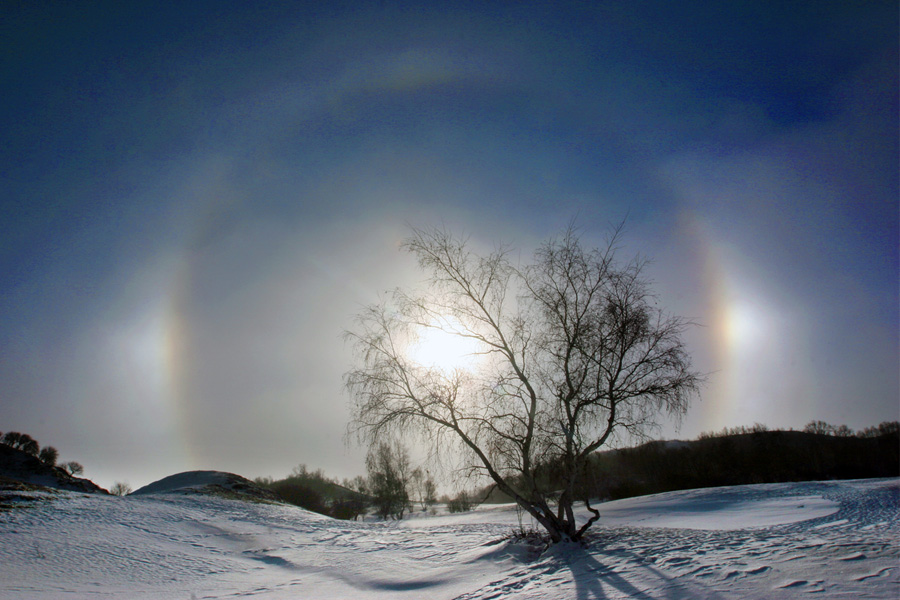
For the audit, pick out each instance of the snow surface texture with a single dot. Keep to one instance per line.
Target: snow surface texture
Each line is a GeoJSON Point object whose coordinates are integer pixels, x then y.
{"type": "Point", "coordinates": [803, 540]}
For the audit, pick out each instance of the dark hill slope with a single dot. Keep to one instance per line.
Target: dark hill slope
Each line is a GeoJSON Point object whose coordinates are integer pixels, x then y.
{"type": "Point", "coordinates": [22, 467]}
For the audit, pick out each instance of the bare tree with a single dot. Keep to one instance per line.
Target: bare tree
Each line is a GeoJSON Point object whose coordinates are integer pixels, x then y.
{"type": "Point", "coordinates": [72, 468]}
{"type": "Point", "coordinates": [429, 492]}
{"type": "Point", "coordinates": [570, 349]}
{"type": "Point", "coordinates": [819, 427]}
{"type": "Point", "coordinates": [120, 488]}
{"type": "Point", "coordinates": [389, 475]}
{"type": "Point", "coordinates": [843, 431]}
{"type": "Point", "coordinates": [884, 428]}
{"type": "Point", "coordinates": [422, 487]}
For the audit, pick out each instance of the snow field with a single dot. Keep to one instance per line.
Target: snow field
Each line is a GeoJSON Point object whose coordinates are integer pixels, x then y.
{"type": "Point", "coordinates": [805, 540]}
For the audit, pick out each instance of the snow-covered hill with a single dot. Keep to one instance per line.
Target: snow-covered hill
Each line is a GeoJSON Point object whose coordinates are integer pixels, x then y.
{"type": "Point", "coordinates": [824, 540]}
{"type": "Point", "coordinates": [207, 482]}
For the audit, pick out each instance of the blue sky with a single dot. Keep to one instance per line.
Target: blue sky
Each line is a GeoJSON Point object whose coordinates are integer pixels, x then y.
{"type": "Point", "coordinates": [198, 198]}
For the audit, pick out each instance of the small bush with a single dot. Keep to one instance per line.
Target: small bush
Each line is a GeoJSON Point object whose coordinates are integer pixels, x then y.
{"type": "Point", "coordinates": [120, 488]}
{"type": "Point", "coordinates": [462, 503]}
{"type": "Point", "coordinates": [72, 468]}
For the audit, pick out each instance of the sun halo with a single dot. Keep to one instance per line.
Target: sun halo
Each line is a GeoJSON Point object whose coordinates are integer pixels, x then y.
{"type": "Point", "coordinates": [441, 346]}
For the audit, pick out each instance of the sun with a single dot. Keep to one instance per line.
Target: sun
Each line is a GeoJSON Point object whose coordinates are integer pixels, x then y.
{"type": "Point", "coordinates": [437, 347]}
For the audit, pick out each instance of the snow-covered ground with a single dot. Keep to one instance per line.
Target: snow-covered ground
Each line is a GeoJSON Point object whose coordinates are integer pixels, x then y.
{"type": "Point", "coordinates": [818, 540]}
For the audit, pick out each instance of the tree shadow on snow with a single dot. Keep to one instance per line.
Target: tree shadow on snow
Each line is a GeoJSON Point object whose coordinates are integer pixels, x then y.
{"type": "Point", "coordinates": [626, 574]}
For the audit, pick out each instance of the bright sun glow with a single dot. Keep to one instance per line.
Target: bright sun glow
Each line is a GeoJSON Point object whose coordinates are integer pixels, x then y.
{"type": "Point", "coordinates": [439, 349]}
{"type": "Point", "coordinates": [745, 325]}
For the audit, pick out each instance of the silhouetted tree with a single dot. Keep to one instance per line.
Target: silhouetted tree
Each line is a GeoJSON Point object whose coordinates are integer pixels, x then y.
{"type": "Point", "coordinates": [843, 431]}
{"type": "Point", "coordinates": [422, 487]}
{"type": "Point", "coordinates": [120, 488]}
{"type": "Point", "coordinates": [573, 350]}
{"type": "Point", "coordinates": [11, 438]}
{"type": "Point", "coordinates": [430, 489]}
{"type": "Point", "coordinates": [30, 446]}
{"type": "Point", "coordinates": [49, 455]}
{"type": "Point", "coordinates": [884, 428]}
{"type": "Point", "coordinates": [819, 427]}
{"type": "Point", "coordinates": [889, 428]}
{"type": "Point", "coordinates": [21, 441]}
{"type": "Point", "coordinates": [389, 473]}
{"type": "Point", "coordinates": [357, 484]}
{"type": "Point", "coordinates": [73, 468]}
{"type": "Point", "coordinates": [459, 503]}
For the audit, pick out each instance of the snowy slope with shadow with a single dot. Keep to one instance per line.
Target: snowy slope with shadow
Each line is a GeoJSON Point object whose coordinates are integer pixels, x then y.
{"type": "Point", "coordinates": [833, 539]}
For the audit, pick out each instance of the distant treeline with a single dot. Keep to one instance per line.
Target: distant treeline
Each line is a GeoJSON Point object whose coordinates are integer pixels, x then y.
{"type": "Point", "coordinates": [391, 489]}
{"type": "Point", "coordinates": [315, 491]}
{"type": "Point", "coordinates": [747, 455]}
{"type": "Point", "coordinates": [737, 456]}
{"type": "Point", "coordinates": [734, 456]}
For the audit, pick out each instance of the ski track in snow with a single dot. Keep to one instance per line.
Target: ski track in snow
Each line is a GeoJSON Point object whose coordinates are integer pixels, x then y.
{"type": "Point", "coordinates": [803, 540]}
